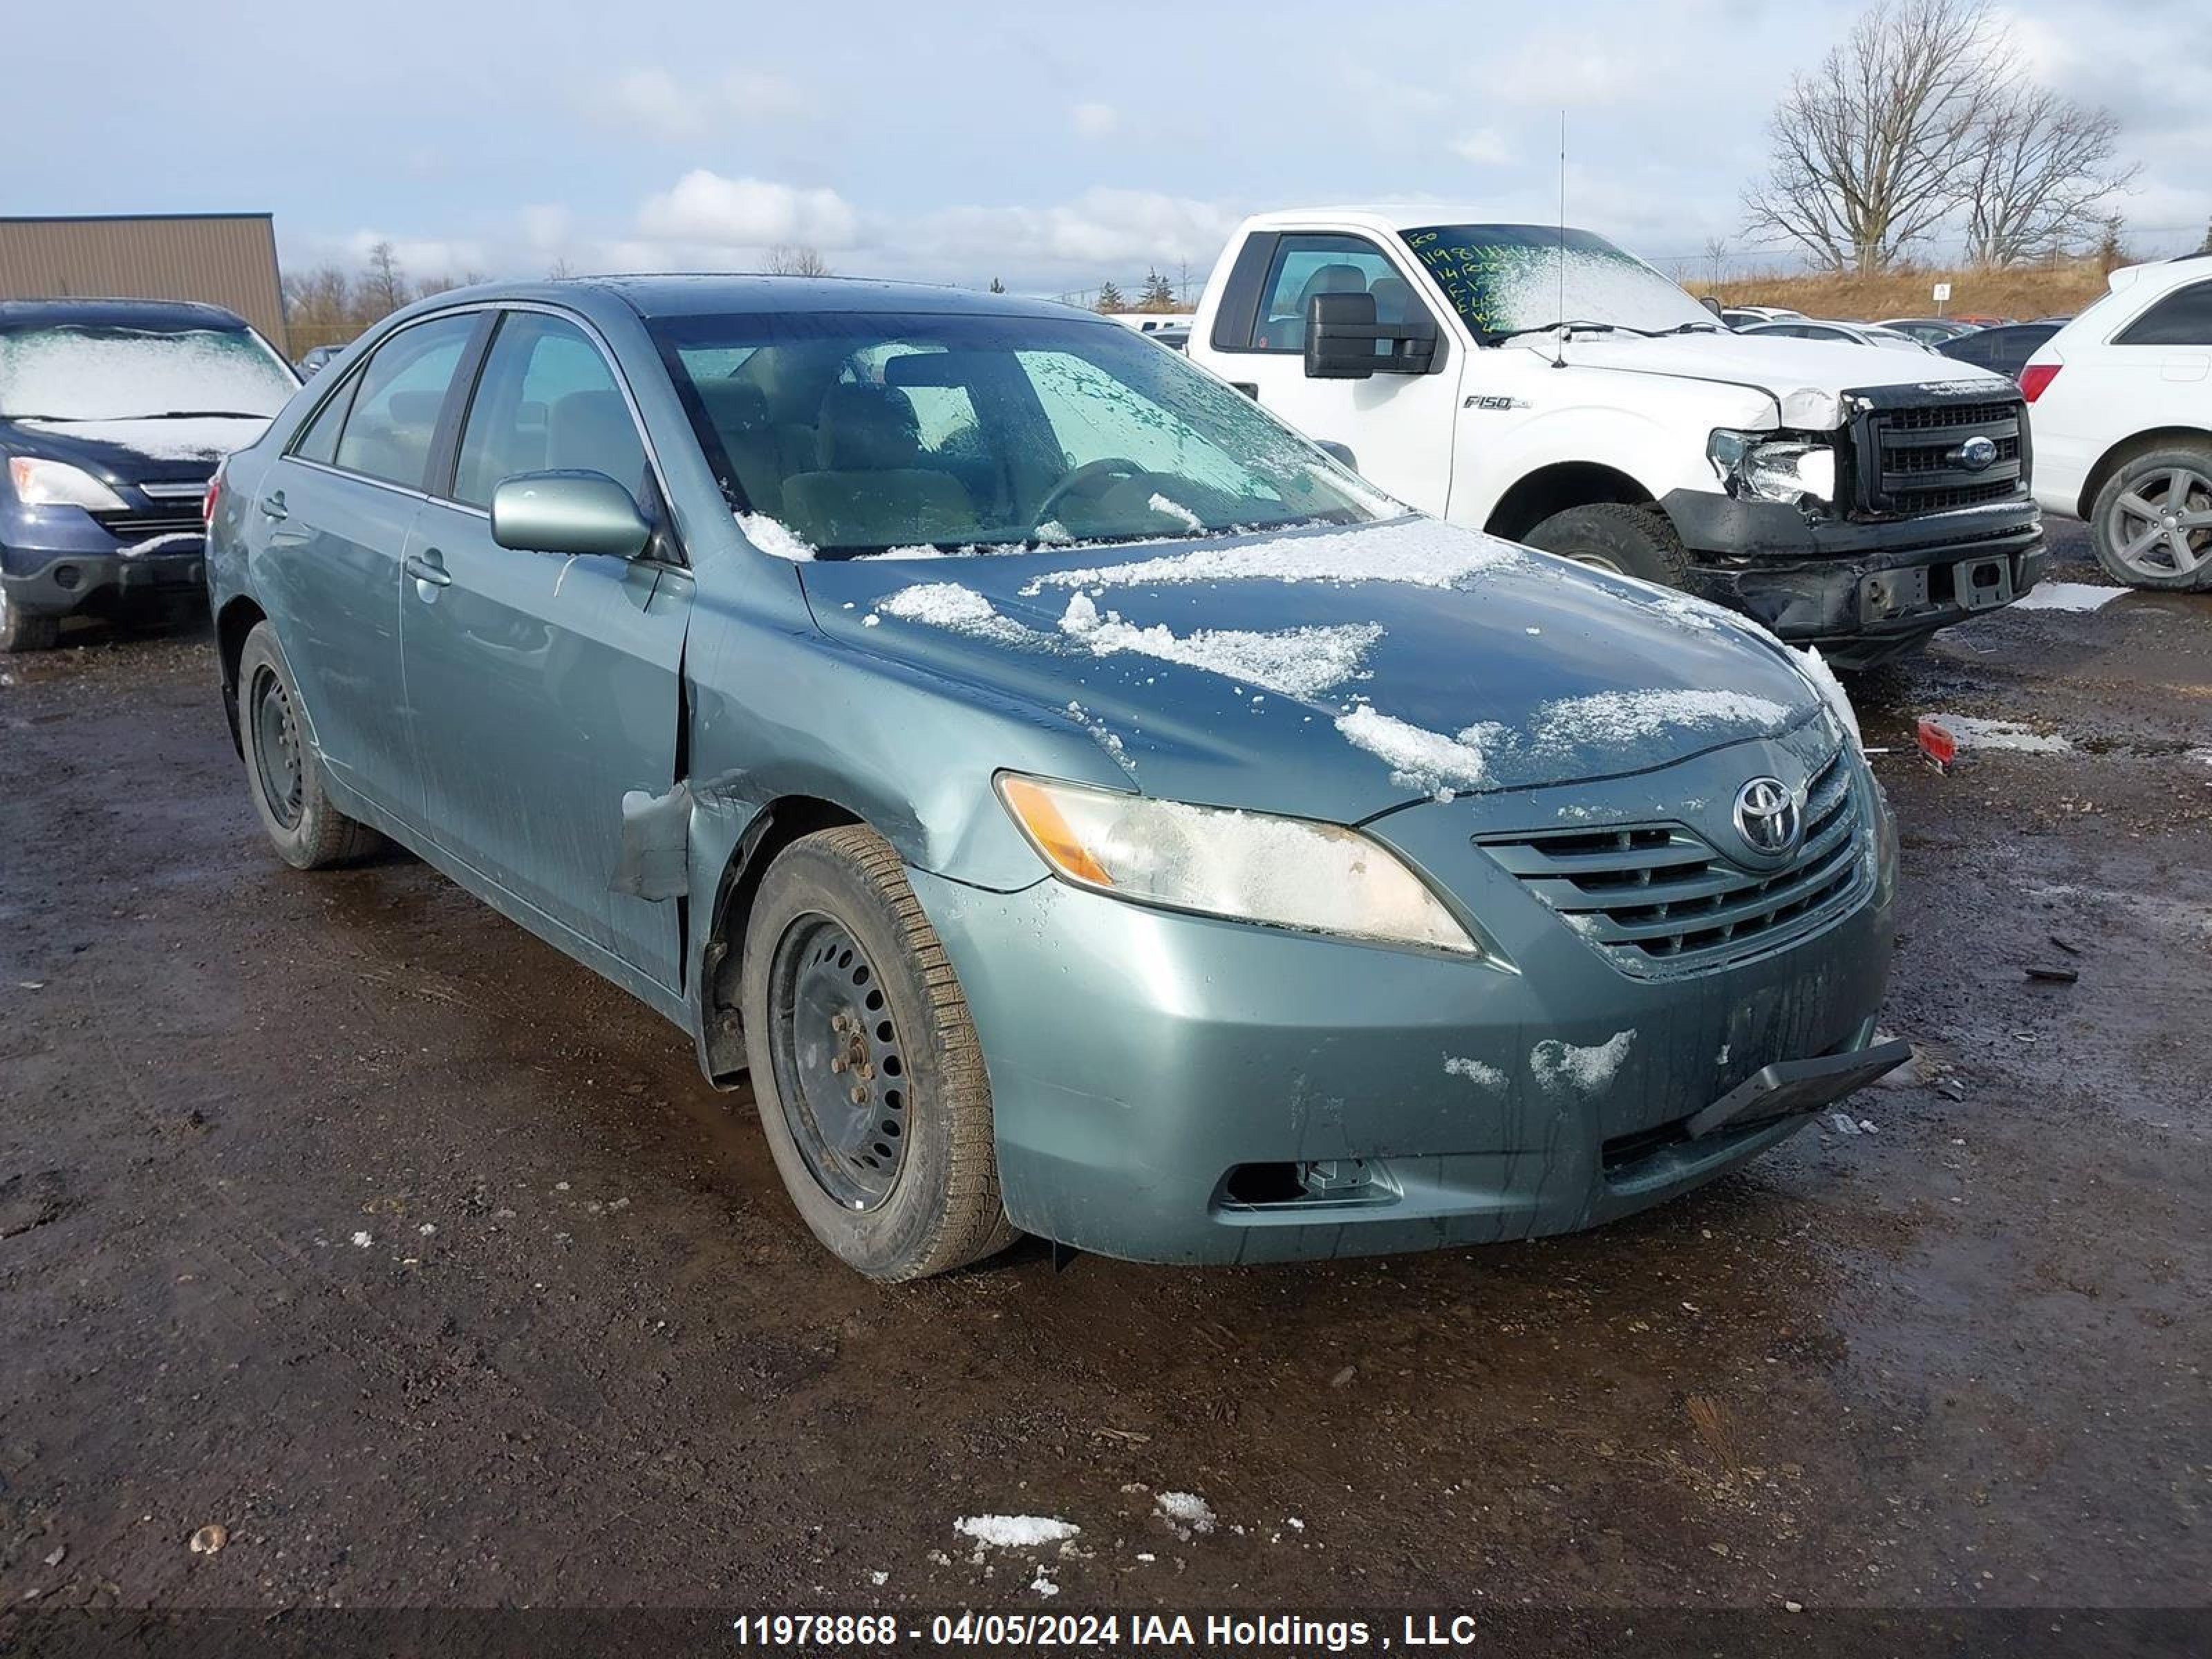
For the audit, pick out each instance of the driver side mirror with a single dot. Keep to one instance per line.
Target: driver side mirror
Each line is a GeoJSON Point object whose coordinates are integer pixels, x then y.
{"type": "Point", "coordinates": [1341, 334]}
{"type": "Point", "coordinates": [567, 513]}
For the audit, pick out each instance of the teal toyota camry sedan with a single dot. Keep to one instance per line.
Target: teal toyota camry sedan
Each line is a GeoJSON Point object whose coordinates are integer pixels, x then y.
{"type": "Point", "coordinates": [1074, 803]}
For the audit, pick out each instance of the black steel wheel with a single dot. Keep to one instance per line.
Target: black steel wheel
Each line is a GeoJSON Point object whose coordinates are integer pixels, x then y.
{"type": "Point", "coordinates": [840, 1066]}
{"type": "Point", "coordinates": [283, 772]}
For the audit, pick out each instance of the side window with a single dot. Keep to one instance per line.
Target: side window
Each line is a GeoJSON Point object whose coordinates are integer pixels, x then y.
{"type": "Point", "coordinates": [319, 442]}
{"type": "Point", "coordinates": [1305, 265]}
{"type": "Point", "coordinates": [547, 401]}
{"type": "Point", "coordinates": [2183, 318]}
{"type": "Point", "coordinates": [394, 416]}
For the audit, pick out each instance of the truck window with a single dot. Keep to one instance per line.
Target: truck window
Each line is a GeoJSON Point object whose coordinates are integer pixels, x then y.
{"type": "Point", "coordinates": [1305, 265]}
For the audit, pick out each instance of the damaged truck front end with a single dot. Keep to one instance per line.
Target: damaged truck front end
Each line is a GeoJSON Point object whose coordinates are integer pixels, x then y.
{"type": "Point", "coordinates": [1865, 523]}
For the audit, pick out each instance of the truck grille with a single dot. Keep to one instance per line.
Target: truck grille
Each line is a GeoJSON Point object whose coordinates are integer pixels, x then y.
{"type": "Point", "coordinates": [1909, 454]}
{"type": "Point", "coordinates": [1660, 899]}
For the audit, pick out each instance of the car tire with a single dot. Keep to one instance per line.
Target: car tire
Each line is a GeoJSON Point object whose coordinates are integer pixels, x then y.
{"type": "Point", "coordinates": [2130, 510]}
{"type": "Point", "coordinates": [1630, 541]}
{"type": "Point", "coordinates": [20, 630]}
{"type": "Point", "coordinates": [847, 988]}
{"type": "Point", "coordinates": [283, 773]}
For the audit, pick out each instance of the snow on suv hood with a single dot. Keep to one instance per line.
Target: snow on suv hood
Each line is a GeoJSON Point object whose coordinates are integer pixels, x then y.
{"type": "Point", "coordinates": [1332, 673]}
{"type": "Point", "coordinates": [1774, 364]}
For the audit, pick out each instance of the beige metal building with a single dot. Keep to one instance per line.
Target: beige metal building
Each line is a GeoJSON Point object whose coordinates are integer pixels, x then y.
{"type": "Point", "coordinates": [222, 258]}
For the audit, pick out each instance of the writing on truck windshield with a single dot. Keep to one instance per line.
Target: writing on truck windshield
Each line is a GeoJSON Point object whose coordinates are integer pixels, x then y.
{"type": "Point", "coordinates": [1509, 279]}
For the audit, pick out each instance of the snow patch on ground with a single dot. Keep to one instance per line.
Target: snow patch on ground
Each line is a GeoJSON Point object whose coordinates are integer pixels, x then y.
{"type": "Point", "coordinates": [1561, 1065]}
{"type": "Point", "coordinates": [1475, 1070]}
{"type": "Point", "coordinates": [1421, 552]}
{"type": "Point", "coordinates": [1015, 1531]}
{"type": "Point", "coordinates": [1186, 1512]}
{"type": "Point", "coordinates": [1298, 662]}
{"type": "Point", "coordinates": [1418, 758]}
{"type": "Point", "coordinates": [1976, 733]}
{"type": "Point", "coordinates": [775, 537]}
{"type": "Point", "coordinates": [2067, 595]}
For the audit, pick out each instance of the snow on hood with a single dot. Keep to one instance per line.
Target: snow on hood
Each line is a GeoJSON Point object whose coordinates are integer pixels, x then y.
{"type": "Point", "coordinates": [1332, 673]}
{"type": "Point", "coordinates": [1774, 364]}
{"type": "Point", "coordinates": [193, 438]}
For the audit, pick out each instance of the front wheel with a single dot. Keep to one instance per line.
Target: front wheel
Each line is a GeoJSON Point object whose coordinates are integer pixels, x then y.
{"type": "Point", "coordinates": [21, 631]}
{"type": "Point", "coordinates": [1629, 541]}
{"type": "Point", "coordinates": [2152, 522]}
{"type": "Point", "coordinates": [283, 773]}
{"type": "Point", "coordinates": [866, 1064]}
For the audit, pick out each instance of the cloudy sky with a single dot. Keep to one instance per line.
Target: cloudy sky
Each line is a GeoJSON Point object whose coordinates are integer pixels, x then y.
{"type": "Point", "coordinates": [1046, 144]}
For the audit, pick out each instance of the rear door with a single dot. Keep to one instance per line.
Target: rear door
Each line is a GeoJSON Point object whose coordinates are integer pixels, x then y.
{"type": "Point", "coordinates": [1399, 427]}
{"type": "Point", "coordinates": [335, 513]}
{"type": "Point", "coordinates": [546, 686]}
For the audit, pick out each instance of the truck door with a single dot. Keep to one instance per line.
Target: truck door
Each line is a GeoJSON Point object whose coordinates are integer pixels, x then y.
{"type": "Point", "coordinates": [1398, 427]}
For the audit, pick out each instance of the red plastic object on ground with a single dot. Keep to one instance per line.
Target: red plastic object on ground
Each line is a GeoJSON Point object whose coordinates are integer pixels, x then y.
{"type": "Point", "coordinates": [1938, 743]}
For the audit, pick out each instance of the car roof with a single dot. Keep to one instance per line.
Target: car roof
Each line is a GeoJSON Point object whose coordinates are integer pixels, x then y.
{"type": "Point", "coordinates": [1390, 215]}
{"type": "Point", "coordinates": [150, 314]}
{"type": "Point", "coordinates": [714, 293]}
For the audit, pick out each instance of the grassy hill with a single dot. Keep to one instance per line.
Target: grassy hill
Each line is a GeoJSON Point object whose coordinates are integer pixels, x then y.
{"type": "Point", "coordinates": [2017, 291]}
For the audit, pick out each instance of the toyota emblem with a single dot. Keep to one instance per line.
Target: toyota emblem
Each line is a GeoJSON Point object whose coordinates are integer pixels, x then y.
{"type": "Point", "coordinates": [1766, 817]}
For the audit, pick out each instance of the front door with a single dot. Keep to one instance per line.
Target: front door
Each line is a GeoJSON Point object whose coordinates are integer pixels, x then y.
{"type": "Point", "coordinates": [1398, 427]}
{"type": "Point", "coordinates": [544, 688]}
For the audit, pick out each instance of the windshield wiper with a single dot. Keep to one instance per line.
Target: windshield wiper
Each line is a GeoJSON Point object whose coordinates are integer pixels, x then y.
{"type": "Point", "coordinates": [204, 414]}
{"type": "Point", "coordinates": [1582, 322]}
{"type": "Point", "coordinates": [1694, 328]}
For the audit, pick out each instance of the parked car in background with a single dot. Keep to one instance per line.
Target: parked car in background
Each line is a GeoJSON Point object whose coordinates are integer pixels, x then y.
{"type": "Point", "coordinates": [1808, 328]}
{"type": "Point", "coordinates": [113, 415]}
{"type": "Point", "coordinates": [1928, 331]}
{"type": "Point", "coordinates": [1739, 316]}
{"type": "Point", "coordinates": [2005, 347]}
{"type": "Point", "coordinates": [1152, 322]}
{"type": "Point", "coordinates": [2122, 401]}
{"type": "Point", "coordinates": [312, 360]}
{"type": "Point", "coordinates": [1572, 398]}
{"type": "Point", "coordinates": [1976, 321]}
{"type": "Point", "coordinates": [1177, 337]}
{"type": "Point", "coordinates": [865, 676]}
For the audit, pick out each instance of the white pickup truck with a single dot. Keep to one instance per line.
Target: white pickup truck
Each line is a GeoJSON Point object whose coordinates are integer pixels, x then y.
{"type": "Point", "coordinates": [1546, 386]}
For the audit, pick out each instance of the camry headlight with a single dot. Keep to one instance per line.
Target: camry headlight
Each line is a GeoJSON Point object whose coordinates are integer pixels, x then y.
{"type": "Point", "coordinates": [57, 483]}
{"type": "Point", "coordinates": [1773, 469]}
{"type": "Point", "coordinates": [1251, 867]}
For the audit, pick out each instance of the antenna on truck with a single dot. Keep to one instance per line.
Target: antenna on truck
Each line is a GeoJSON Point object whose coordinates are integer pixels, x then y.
{"type": "Point", "coordinates": [1560, 345]}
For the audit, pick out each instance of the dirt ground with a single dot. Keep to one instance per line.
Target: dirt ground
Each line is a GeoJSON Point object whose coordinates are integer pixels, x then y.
{"type": "Point", "coordinates": [339, 1213]}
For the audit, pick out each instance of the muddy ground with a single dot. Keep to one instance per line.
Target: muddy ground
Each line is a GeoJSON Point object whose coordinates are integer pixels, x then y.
{"type": "Point", "coordinates": [337, 1212]}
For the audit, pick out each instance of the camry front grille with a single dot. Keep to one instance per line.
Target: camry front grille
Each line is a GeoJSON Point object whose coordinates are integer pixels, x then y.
{"type": "Point", "coordinates": [1660, 899]}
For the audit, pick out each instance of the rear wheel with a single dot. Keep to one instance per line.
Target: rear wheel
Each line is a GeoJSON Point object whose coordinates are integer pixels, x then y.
{"type": "Point", "coordinates": [866, 1064]}
{"type": "Point", "coordinates": [283, 772]}
{"type": "Point", "coordinates": [2152, 522]}
{"type": "Point", "coordinates": [21, 631]}
{"type": "Point", "coordinates": [1629, 541]}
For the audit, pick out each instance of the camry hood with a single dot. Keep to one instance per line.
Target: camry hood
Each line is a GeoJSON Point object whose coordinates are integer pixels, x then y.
{"type": "Point", "coordinates": [1331, 673]}
{"type": "Point", "coordinates": [1773, 364]}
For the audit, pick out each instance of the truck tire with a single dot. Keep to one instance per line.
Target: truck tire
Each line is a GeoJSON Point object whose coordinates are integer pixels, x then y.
{"type": "Point", "coordinates": [283, 773]}
{"type": "Point", "coordinates": [866, 1064]}
{"type": "Point", "coordinates": [1632, 541]}
{"type": "Point", "coordinates": [21, 631]}
{"type": "Point", "coordinates": [2152, 522]}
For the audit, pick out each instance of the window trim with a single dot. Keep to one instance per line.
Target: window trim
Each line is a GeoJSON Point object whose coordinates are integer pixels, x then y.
{"type": "Point", "coordinates": [1245, 296]}
{"type": "Point", "coordinates": [2119, 336]}
{"type": "Point", "coordinates": [349, 388]}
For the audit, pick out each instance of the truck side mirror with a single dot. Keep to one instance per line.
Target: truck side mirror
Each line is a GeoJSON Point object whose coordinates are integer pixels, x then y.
{"type": "Point", "coordinates": [1345, 343]}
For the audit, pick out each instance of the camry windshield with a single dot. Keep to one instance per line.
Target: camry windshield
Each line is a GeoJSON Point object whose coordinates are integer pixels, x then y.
{"type": "Point", "coordinates": [74, 373]}
{"type": "Point", "coordinates": [857, 433]}
{"type": "Point", "coordinates": [1514, 279]}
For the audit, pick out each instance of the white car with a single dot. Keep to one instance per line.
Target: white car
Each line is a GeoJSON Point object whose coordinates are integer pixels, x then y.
{"type": "Point", "coordinates": [1543, 386]}
{"type": "Point", "coordinates": [2121, 423]}
{"type": "Point", "coordinates": [1814, 328]}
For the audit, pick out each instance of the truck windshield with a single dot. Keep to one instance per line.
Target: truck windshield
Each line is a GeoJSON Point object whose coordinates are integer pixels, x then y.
{"type": "Point", "coordinates": [95, 373]}
{"type": "Point", "coordinates": [1512, 279]}
{"type": "Point", "coordinates": [861, 433]}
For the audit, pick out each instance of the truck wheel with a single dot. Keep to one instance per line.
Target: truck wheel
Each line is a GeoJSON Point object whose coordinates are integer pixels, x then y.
{"type": "Point", "coordinates": [21, 631]}
{"type": "Point", "coordinates": [866, 1064]}
{"type": "Point", "coordinates": [2152, 522]}
{"type": "Point", "coordinates": [283, 772]}
{"type": "Point", "coordinates": [1630, 541]}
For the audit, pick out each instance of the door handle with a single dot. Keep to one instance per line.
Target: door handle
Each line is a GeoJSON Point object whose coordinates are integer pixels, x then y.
{"type": "Point", "coordinates": [427, 568]}
{"type": "Point", "coordinates": [272, 505]}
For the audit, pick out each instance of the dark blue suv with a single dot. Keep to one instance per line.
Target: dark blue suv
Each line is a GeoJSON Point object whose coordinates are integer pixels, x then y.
{"type": "Point", "coordinates": [113, 416]}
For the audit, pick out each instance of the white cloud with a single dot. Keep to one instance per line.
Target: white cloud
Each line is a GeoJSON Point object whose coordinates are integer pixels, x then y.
{"type": "Point", "coordinates": [1095, 120]}
{"type": "Point", "coordinates": [658, 104]}
{"type": "Point", "coordinates": [547, 227]}
{"type": "Point", "coordinates": [1486, 146]}
{"type": "Point", "coordinates": [706, 209]}
{"type": "Point", "coordinates": [1102, 232]}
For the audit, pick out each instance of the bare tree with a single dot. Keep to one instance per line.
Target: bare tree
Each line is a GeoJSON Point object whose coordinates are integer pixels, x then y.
{"type": "Point", "coordinates": [2041, 175]}
{"type": "Point", "coordinates": [1864, 153]}
{"type": "Point", "coordinates": [796, 260]}
{"type": "Point", "coordinates": [383, 288]}
{"type": "Point", "coordinates": [1716, 249]}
